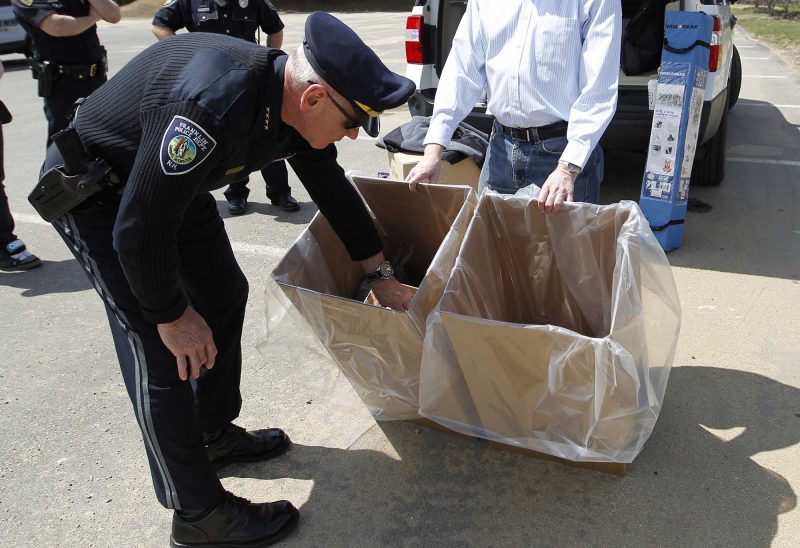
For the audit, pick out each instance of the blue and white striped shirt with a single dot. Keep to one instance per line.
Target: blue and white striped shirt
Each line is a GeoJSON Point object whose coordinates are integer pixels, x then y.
{"type": "Point", "coordinates": [541, 61]}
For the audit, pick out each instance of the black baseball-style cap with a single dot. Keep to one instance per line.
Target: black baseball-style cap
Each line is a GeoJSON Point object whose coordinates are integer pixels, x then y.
{"type": "Point", "coordinates": [339, 56]}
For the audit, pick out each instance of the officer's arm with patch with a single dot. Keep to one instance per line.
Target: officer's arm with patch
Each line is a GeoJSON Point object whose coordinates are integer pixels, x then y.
{"type": "Point", "coordinates": [179, 145]}
{"type": "Point", "coordinates": [270, 22]}
{"type": "Point", "coordinates": [169, 19]}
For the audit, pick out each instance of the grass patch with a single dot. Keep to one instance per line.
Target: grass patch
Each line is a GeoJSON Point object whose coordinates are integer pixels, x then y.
{"type": "Point", "coordinates": [148, 8]}
{"type": "Point", "coordinates": [782, 33]}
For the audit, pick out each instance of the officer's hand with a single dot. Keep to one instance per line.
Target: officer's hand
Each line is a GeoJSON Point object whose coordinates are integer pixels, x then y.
{"type": "Point", "coordinates": [392, 294]}
{"type": "Point", "coordinates": [556, 190]}
{"type": "Point", "coordinates": [427, 169]}
{"type": "Point", "coordinates": [191, 342]}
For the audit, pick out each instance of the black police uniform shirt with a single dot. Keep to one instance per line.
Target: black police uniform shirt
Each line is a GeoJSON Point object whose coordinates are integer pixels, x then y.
{"type": "Point", "coordinates": [238, 18]}
{"type": "Point", "coordinates": [83, 48]}
{"type": "Point", "coordinates": [200, 110]}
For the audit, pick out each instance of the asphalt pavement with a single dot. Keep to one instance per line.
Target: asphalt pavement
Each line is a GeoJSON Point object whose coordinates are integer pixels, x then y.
{"type": "Point", "coordinates": [721, 468]}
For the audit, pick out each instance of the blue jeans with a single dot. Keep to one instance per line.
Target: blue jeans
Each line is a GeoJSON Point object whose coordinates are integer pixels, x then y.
{"type": "Point", "coordinates": [511, 165]}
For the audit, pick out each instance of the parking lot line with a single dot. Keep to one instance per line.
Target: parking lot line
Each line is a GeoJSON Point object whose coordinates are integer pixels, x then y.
{"type": "Point", "coordinates": [747, 104]}
{"type": "Point", "coordinates": [763, 161]}
{"type": "Point", "coordinates": [238, 247]}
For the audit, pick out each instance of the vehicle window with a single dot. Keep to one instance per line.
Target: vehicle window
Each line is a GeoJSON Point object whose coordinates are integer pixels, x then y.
{"type": "Point", "coordinates": [450, 14]}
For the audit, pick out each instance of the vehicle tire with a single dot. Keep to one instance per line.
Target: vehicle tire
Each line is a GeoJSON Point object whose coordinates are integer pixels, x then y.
{"type": "Point", "coordinates": [735, 78]}
{"type": "Point", "coordinates": [709, 162]}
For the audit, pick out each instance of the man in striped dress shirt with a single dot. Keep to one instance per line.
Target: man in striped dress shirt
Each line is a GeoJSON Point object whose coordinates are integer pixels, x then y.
{"type": "Point", "coordinates": [551, 69]}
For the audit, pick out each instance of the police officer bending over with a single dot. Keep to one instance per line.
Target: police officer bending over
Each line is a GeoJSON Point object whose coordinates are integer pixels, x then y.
{"type": "Point", "coordinates": [201, 109]}
{"type": "Point", "coordinates": [241, 19]}
{"type": "Point", "coordinates": [68, 60]}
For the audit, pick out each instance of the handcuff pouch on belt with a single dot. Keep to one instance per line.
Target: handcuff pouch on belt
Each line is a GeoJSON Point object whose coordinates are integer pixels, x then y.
{"type": "Point", "coordinates": [64, 187]}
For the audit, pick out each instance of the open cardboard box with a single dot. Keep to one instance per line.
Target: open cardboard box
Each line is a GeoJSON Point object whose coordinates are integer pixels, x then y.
{"type": "Point", "coordinates": [379, 350]}
{"type": "Point", "coordinates": [555, 333]}
{"type": "Point", "coordinates": [465, 172]}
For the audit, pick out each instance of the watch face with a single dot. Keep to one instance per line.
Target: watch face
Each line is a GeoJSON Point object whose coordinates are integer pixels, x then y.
{"type": "Point", "coordinates": [386, 270]}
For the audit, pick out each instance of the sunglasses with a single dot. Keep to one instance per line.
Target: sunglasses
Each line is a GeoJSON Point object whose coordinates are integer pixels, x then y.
{"type": "Point", "coordinates": [351, 122]}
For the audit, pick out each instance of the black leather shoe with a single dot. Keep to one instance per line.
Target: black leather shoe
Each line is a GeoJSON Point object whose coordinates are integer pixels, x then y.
{"type": "Point", "coordinates": [237, 522]}
{"type": "Point", "coordinates": [237, 206]}
{"type": "Point", "coordinates": [235, 444]}
{"type": "Point", "coordinates": [15, 258]}
{"type": "Point", "coordinates": [286, 203]}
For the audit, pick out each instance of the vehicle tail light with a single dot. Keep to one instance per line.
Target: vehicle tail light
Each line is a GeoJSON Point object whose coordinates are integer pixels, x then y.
{"type": "Point", "coordinates": [716, 45]}
{"type": "Point", "coordinates": [415, 54]}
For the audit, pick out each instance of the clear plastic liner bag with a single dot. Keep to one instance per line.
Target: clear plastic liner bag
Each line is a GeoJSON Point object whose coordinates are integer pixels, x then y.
{"type": "Point", "coordinates": [556, 332]}
{"type": "Point", "coordinates": [295, 355]}
{"type": "Point", "coordinates": [378, 350]}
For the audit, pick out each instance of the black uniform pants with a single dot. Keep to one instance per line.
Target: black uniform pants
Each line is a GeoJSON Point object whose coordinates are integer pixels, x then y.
{"type": "Point", "coordinates": [275, 175]}
{"type": "Point", "coordinates": [6, 220]}
{"type": "Point", "coordinates": [171, 413]}
{"type": "Point", "coordinates": [66, 91]}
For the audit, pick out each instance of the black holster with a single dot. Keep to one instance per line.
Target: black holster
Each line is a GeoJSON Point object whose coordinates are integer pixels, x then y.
{"type": "Point", "coordinates": [44, 72]}
{"type": "Point", "coordinates": [64, 187]}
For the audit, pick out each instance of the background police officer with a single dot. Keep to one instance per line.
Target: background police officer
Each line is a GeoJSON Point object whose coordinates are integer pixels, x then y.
{"type": "Point", "coordinates": [241, 19]}
{"type": "Point", "coordinates": [200, 110]}
{"type": "Point", "coordinates": [68, 60]}
{"type": "Point", "coordinates": [13, 255]}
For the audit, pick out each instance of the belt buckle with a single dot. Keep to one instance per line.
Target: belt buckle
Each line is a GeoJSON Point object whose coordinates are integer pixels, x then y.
{"type": "Point", "coordinates": [92, 70]}
{"type": "Point", "coordinates": [530, 134]}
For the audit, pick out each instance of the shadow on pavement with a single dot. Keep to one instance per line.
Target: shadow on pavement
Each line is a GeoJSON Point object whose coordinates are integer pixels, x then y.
{"type": "Point", "coordinates": [688, 487]}
{"type": "Point", "coordinates": [52, 277]}
{"type": "Point", "coordinates": [752, 226]}
{"type": "Point", "coordinates": [302, 217]}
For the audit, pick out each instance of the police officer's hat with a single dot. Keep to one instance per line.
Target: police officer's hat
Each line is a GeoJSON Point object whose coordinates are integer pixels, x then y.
{"type": "Point", "coordinates": [339, 56]}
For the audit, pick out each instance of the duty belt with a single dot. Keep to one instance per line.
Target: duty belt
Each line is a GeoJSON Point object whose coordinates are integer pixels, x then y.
{"type": "Point", "coordinates": [536, 134]}
{"type": "Point", "coordinates": [80, 71]}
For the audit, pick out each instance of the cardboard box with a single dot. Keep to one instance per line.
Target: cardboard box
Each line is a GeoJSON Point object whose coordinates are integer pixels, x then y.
{"type": "Point", "coordinates": [555, 333]}
{"type": "Point", "coordinates": [378, 350]}
{"type": "Point", "coordinates": [465, 172]}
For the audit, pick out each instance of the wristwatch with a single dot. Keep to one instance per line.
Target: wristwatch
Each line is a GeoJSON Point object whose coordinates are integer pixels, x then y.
{"type": "Point", "coordinates": [384, 272]}
{"type": "Point", "coordinates": [572, 168]}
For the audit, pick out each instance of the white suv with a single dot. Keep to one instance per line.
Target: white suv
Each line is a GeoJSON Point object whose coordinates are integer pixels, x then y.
{"type": "Point", "coordinates": [429, 34]}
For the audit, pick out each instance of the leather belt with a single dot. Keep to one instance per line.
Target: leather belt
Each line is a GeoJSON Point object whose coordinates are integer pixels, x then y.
{"type": "Point", "coordinates": [80, 72]}
{"type": "Point", "coordinates": [537, 134]}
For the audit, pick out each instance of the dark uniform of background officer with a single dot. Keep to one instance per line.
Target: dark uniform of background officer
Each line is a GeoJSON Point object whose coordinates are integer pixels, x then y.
{"type": "Point", "coordinates": [13, 255]}
{"type": "Point", "coordinates": [241, 19]}
{"type": "Point", "coordinates": [68, 60]}
{"type": "Point", "coordinates": [200, 110]}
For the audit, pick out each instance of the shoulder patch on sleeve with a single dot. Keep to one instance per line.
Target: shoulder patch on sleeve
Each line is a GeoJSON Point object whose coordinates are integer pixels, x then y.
{"type": "Point", "coordinates": [26, 3]}
{"type": "Point", "coordinates": [185, 146]}
{"type": "Point", "coordinates": [168, 3]}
